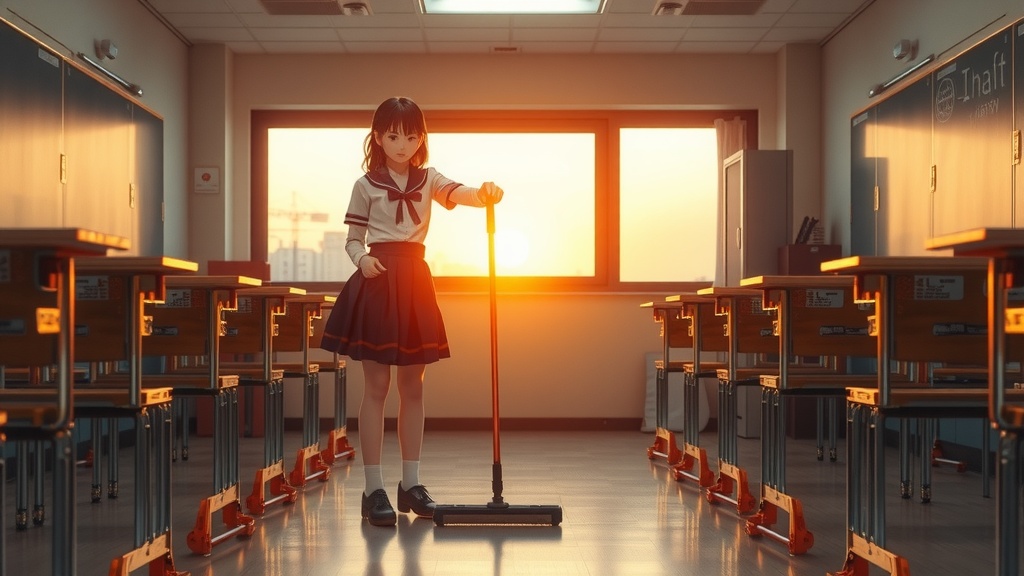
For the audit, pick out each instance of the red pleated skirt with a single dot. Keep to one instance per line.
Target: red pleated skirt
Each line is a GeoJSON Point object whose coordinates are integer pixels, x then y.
{"type": "Point", "coordinates": [392, 319]}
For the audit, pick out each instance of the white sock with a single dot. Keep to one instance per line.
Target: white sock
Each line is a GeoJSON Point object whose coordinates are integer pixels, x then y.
{"type": "Point", "coordinates": [410, 473]}
{"type": "Point", "coordinates": [374, 478]}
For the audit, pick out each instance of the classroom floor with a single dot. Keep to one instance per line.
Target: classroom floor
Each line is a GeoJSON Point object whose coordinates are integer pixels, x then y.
{"type": "Point", "coordinates": [623, 515]}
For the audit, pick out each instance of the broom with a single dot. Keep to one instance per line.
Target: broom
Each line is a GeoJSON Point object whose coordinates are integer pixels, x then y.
{"type": "Point", "coordinates": [497, 511]}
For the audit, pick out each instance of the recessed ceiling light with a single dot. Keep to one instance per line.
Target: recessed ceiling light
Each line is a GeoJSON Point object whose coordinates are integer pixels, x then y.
{"type": "Point", "coordinates": [512, 6]}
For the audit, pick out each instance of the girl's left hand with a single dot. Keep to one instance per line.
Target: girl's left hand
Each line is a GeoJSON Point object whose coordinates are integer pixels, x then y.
{"type": "Point", "coordinates": [490, 193]}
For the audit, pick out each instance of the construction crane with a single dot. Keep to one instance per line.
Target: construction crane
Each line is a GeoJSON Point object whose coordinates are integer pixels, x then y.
{"type": "Point", "coordinates": [295, 216]}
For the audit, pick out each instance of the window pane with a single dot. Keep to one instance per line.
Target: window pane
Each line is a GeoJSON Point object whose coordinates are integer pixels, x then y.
{"type": "Point", "coordinates": [310, 177]}
{"type": "Point", "coordinates": [668, 193]}
{"type": "Point", "coordinates": [545, 224]}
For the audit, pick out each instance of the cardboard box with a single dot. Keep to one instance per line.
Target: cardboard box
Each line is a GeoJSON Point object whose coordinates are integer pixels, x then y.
{"type": "Point", "coordinates": [803, 259]}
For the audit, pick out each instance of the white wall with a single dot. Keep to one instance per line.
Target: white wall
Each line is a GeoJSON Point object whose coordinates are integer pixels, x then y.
{"type": "Point", "coordinates": [861, 56]}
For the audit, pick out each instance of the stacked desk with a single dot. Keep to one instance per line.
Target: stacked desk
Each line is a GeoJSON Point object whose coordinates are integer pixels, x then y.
{"type": "Point", "coordinates": [252, 329]}
{"type": "Point", "coordinates": [37, 316]}
{"type": "Point", "coordinates": [1004, 250]}
{"type": "Point", "coordinates": [815, 316]}
{"type": "Point", "coordinates": [749, 331]}
{"type": "Point", "coordinates": [687, 320]}
{"type": "Point", "coordinates": [338, 446]}
{"type": "Point", "coordinates": [926, 310]}
{"type": "Point", "coordinates": [302, 334]}
{"type": "Point", "coordinates": [110, 326]}
{"type": "Point", "coordinates": [190, 324]}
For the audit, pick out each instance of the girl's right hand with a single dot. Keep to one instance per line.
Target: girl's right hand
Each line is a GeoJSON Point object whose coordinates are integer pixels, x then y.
{"type": "Point", "coordinates": [371, 267]}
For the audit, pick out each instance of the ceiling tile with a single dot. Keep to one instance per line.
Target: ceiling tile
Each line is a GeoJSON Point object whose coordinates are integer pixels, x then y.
{"type": "Point", "coordinates": [547, 34]}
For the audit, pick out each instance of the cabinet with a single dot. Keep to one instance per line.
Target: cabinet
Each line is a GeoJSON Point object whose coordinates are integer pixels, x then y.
{"type": "Point", "coordinates": [755, 219]}
{"type": "Point", "coordinates": [75, 151]}
{"type": "Point", "coordinates": [755, 222]}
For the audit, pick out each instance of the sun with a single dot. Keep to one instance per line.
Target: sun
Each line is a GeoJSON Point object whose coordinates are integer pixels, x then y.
{"type": "Point", "coordinates": [511, 249]}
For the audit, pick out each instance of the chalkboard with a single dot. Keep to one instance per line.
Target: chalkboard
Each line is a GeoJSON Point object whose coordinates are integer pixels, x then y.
{"type": "Point", "coordinates": [973, 120]}
{"type": "Point", "coordinates": [30, 104]}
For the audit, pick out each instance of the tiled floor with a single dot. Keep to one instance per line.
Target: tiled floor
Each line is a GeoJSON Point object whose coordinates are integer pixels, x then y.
{"type": "Point", "coordinates": [623, 515]}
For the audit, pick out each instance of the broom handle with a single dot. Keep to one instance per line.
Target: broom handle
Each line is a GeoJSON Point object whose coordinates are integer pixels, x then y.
{"type": "Point", "coordinates": [494, 330]}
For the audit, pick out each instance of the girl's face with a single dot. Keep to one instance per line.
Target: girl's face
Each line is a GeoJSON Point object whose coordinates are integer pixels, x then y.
{"type": "Point", "coordinates": [399, 147]}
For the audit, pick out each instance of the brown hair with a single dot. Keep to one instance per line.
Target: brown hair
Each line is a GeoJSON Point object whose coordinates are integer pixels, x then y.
{"type": "Point", "coordinates": [398, 115]}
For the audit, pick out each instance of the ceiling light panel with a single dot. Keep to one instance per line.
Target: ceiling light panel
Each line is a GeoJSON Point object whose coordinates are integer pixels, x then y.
{"type": "Point", "coordinates": [512, 6]}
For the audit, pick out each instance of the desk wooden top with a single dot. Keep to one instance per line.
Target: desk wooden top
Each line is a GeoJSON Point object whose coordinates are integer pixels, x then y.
{"type": "Point", "coordinates": [134, 265]}
{"type": "Point", "coordinates": [689, 298]}
{"type": "Point", "coordinates": [728, 291]}
{"type": "Point", "coordinates": [903, 264]}
{"type": "Point", "coordinates": [314, 299]}
{"type": "Point", "coordinates": [986, 242]}
{"type": "Point", "coordinates": [268, 291]}
{"type": "Point", "coordinates": [73, 239]}
{"type": "Point", "coordinates": [666, 305]}
{"type": "Point", "coordinates": [213, 282]}
{"type": "Point", "coordinates": [810, 281]}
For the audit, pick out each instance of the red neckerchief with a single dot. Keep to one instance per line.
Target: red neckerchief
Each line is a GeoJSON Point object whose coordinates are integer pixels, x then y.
{"type": "Point", "coordinates": [381, 178]}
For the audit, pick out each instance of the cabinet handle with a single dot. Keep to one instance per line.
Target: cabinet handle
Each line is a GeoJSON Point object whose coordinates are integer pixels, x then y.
{"type": "Point", "coordinates": [739, 236]}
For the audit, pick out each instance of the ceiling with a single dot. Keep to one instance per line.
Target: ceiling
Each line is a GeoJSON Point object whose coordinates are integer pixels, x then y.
{"type": "Point", "coordinates": [398, 27]}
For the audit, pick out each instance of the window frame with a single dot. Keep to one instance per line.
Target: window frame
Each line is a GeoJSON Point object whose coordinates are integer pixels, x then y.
{"type": "Point", "coordinates": [604, 124]}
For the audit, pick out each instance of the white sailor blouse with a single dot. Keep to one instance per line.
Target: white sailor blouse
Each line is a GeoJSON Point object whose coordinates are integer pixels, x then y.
{"type": "Point", "coordinates": [380, 211]}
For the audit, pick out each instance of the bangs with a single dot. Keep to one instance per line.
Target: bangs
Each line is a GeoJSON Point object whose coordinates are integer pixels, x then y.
{"type": "Point", "coordinates": [402, 115]}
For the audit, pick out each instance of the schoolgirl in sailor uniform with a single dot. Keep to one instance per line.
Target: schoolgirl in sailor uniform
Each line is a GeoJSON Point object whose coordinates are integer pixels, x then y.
{"type": "Point", "coordinates": [387, 313]}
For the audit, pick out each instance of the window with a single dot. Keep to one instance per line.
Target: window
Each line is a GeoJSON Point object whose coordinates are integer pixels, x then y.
{"type": "Point", "coordinates": [606, 201]}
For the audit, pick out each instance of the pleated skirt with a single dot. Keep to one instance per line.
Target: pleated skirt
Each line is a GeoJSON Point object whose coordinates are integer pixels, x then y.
{"type": "Point", "coordinates": [392, 319]}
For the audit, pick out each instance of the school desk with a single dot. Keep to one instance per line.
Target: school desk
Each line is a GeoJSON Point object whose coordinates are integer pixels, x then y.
{"type": "Point", "coordinates": [815, 318]}
{"type": "Point", "coordinates": [252, 330]}
{"type": "Point", "coordinates": [749, 331]}
{"type": "Point", "coordinates": [705, 334]}
{"type": "Point", "coordinates": [674, 334]}
{"type": "Point", "coordinates": [111, 327]}
{"type": "Point", "coordinates": [926, 309]}
{"type": "Point", "coordinates": [297, 336]}
{"type": "Point", "coordinates": [338, 446]}
{"type": "Point", "coordinates": [37, 315]}
{"type": "Point", "coordinates": [190, 326]}
{"type": "Point", "coordinates": [1004, 250]}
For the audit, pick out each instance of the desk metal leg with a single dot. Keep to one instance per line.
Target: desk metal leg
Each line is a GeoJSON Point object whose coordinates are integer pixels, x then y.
{"type": "Point", "coordinates": [225, 481]}
{"type": "Point", "coordinates": [152, 539]}
{"type": "Point", "coordinates": [273, 455]}
{"type": "Point", "coordinates": [865, 496]}
{"type": "Point", "coordinates": [730, 475]}
{"type": "Point", "coordinates": [773, 480]}
{"type": "Point", "coordinates": [664, 439]}
{"type": "Point", "coordinates": [338, 446]}
{"type": "Point", "coordinates": [694, 464]}
{"type": "Point", "coordinates": [1008, 477]}
{"type": "Point", "coordinates": [308, 464]}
